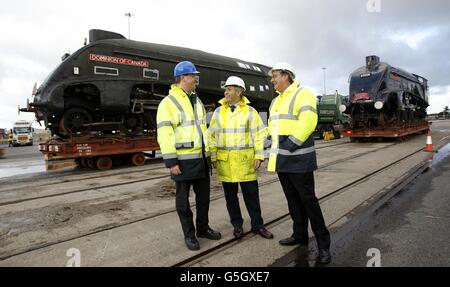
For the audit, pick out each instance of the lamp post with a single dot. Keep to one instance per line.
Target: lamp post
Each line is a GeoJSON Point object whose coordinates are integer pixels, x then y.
{"type": "Point", "coordinates": [129, 15]}
{"type": "Point", "coordinates": [324, 81]}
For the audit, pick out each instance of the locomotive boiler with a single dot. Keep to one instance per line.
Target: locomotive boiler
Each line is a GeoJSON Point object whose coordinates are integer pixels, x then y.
{"type": "Point", "coordinates": [114, 85]}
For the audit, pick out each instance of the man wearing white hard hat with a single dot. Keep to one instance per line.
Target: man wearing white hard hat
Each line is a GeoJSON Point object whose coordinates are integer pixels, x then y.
{"type": "Point", "coordinates": [236, 142]}
{"type": "Point", "coordinates": [292, 121]}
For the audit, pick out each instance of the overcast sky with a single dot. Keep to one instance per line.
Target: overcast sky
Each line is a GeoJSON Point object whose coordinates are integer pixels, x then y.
{"type": "Point", "coordinates": [409, 34]}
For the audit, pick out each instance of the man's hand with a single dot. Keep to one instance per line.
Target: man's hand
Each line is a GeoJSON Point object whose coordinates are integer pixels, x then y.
{"type": "Point", "coordinates": [257, 163]}
{"type": "Point", "coordinates": [175, 170]}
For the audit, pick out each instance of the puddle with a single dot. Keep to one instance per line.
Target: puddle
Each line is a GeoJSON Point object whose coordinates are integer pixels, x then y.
{"type": "Point", "coordinates": [441, 154]}
{"type": "Point", "coordinates": [21, 168]}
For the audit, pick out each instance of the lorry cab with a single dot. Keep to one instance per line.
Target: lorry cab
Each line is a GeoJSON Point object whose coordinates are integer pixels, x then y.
{"type": "Point", "coordinates": [22, 133]}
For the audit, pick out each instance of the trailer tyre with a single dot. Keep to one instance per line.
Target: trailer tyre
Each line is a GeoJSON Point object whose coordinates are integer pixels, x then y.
{"type": "Point", "coordinates": [104, 163]}
{"type": "Point", "coordinates": [138, 159]}
{"type": "Point", "coordinates": [78, 162]}
{"type": "Point", "coordinates": [89, 162]}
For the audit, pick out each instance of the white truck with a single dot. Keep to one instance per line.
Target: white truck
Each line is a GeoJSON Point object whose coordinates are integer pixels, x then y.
{"type": "Point", "coordinates": [22, 133]}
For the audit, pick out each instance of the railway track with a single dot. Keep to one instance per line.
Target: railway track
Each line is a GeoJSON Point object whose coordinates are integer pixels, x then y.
{"type": "Point", "coordinates": [48, 179]}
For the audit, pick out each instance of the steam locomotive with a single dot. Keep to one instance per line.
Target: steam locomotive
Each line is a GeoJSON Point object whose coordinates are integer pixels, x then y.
{"type": "Point", "coordinates": [114, 85]}
{"type": "Point", "coordinates": [383, 96]}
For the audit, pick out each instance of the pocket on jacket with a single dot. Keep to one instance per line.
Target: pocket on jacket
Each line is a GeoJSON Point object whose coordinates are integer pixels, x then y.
{"type": "Point", "coordinates": [222, 155]}
{"type": "Point", "coordinates": [247, 155]}
{"type": "Point", "coordinates": [247, 166]}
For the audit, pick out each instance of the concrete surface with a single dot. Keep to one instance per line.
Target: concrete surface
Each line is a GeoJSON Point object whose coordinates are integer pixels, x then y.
{"type": "Point", "coordinates": [412, 229]}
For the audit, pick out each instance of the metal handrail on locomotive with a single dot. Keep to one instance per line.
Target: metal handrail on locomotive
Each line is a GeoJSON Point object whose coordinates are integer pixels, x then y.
{"type": "Point", "coordinates": [114, 85]}
{"type": "Point", "coordinates": [387, 99]}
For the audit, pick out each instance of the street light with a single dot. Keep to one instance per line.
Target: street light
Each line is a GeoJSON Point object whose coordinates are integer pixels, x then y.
{"type": "Point", "coordinates": [324, 81]}
{"type": "Point", "coordinates": [129, 15]}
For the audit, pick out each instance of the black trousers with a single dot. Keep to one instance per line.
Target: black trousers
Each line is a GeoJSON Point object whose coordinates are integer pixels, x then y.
{"type": "Point", "coordinates": [250, 192]}
{"type": "Point", "coordinates": [303, 205]}
{"type": "Point", "coordinates": [202, 192]}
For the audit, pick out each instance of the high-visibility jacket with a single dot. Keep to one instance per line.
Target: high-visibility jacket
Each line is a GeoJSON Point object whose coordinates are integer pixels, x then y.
{"type": "Point", "coordinates": [292, 121]}
{"type": "Point", "coordinates": [236, 139]}
{"type": "Point", "coordinates": [182, 134]}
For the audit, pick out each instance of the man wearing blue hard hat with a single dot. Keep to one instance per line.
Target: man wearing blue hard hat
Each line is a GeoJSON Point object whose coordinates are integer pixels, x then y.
{"type": "Point", "coordinates": [181, 122]}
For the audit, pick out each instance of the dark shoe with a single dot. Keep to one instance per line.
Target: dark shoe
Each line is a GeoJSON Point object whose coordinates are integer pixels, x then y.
{"type": "Point", "coordinates": [192, 243]}
{"type": "Point", "coordinates": [210, 234]}
{"type": "Point", "coordinates": [324, 256]}
{"type": "Point", "coordinates": [238, 232]}
{"type": "Point", "coordinates": [292, 241]}
{"type": "Point", "coordinates": [264, 233]}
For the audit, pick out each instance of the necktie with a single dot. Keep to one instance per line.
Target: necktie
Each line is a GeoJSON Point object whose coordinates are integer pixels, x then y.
{"type": "Point", "coordinates": [192, 99]}
{"type": "Point", "coordinates": [232, 107]}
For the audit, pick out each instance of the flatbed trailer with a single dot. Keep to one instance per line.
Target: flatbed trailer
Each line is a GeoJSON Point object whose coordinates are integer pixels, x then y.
{"type": "Point", "coordinates": [99, 151]}
{"type": "Point", "coordinates": [399, 132]}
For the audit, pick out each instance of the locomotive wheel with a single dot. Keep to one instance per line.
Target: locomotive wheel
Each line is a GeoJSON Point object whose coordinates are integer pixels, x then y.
{"type": "Point", "coordinates": [73, 121]}
{"type": "Point", "coordinates": [133, 124]}
{"type": "Point", "coordinates": [138, 159]}
{"type": "Point", "coordinates": [104, 163]}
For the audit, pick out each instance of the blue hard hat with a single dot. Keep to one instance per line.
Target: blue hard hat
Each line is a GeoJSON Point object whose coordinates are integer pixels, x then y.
{"type": "Point", "coordinates": [184, 68]}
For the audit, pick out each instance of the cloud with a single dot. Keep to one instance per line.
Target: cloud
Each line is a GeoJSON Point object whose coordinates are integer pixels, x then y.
{"type": "Point", "coordinates": [414, 39]}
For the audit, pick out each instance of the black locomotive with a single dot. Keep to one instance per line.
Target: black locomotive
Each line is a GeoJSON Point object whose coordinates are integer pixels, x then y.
{"type": "Point", "coordinates": [114, 85]}
{"type": "Point", "coordinates": [383, 96]}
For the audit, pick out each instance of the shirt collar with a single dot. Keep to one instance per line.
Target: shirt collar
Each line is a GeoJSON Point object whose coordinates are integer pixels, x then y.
{"type": "Point", "coordinates": [291, 88]}
{"type": "Point", "coordinates": [244, 101]}
{"type": "Point", "coordinates": [179, 90]}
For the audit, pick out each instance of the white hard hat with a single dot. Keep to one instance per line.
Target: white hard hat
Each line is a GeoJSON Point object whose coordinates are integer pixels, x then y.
{"type": "Point", "coordinates": [283, 66]}
{"type": "Point", "coordinates": [235, 81]}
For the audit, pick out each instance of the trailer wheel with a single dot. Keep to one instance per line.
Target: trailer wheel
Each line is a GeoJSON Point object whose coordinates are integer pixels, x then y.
{"type": "Point", "coordinates": [104, 163]}
{"type": "Point", "coordinates": [84, 162]}
{"type": "Point", "coordinates": [138, 159]}
{"type": "Point", "coordinates": [78, 162]}
{"type": "Point", "coordinates": [89, 162]}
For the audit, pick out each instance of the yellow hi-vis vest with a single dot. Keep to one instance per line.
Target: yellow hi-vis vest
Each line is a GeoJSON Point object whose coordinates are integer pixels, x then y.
{"type": "Point", "coordinates": [292, 121]}
{"type": "Point", "coordinates": [181, 134]}
{"type": "Point", "coordinates": [236, 139]}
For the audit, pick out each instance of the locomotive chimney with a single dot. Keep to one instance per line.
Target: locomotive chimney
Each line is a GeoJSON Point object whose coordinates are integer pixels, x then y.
{"type": "Point", "coordinates": [372, 62]}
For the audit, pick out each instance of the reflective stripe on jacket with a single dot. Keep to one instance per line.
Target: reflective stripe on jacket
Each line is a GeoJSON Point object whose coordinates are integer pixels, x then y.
{"type": "Point", "coordinates": [292, 121]}
{"type": "Point", "coordinates": [181, 131]}
{"type": "Point", "coordinates": [236, 139]}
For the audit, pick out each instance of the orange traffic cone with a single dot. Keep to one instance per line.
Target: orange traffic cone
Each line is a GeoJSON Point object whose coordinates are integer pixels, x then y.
{"type": "Point", "coordinates": [429, 144]}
